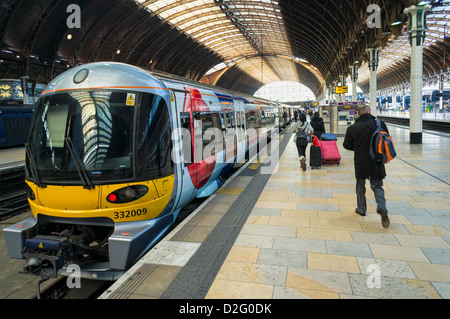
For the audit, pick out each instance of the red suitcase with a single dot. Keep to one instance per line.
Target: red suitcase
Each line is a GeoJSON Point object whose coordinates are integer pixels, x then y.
{"type": "Point", "coordinates": [330, 152]}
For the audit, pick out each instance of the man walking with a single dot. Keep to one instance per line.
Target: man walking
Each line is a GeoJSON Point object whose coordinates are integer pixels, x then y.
{"type": "Point", "coordinates": [357, 139]}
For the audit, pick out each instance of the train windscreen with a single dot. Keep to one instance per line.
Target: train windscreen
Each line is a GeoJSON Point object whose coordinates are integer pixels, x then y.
{"type": "Point", "coordinates": [87, 137]}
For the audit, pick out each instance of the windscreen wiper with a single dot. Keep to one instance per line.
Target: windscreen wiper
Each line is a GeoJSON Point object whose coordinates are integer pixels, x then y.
{"type": "Point", "coordinates": [33, 170]}
{"type": "Point", "coordinates": [87, 184]}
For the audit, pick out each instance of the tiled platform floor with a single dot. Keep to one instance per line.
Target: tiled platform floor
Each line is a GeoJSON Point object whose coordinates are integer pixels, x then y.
{"type": "Point", "coordinates": [303, 239]}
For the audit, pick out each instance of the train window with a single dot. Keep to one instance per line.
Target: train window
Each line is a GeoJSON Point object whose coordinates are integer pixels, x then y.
{"type": "Point", "coordinates": [242, 116]}
{"type": "Point", "coordinates": [224, 120]}
{"type": "Point", "coordinates": [87, 129]}
{"type": "Point", "coordinates": [185, 122]}
{"type": "Point", "coordinates": [154, 145]}
{"type": "Point", "coordinates": [267, 119]}
{"type": "Point", "coordinates": [253, 119]}
{"type": "Point", "coordinates": [204, 123]}
{"type": "Point", "coordinates": [56, 125]}
{"type": "Point", "coordinates": [230, 117]}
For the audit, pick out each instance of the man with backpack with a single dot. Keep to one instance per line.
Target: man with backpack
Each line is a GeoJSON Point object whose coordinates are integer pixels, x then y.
{"type": "Point", "coordinates": [358, 139]}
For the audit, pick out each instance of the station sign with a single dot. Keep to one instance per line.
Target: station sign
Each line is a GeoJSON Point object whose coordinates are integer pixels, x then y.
{"type": "Point", "coordinates": [341, 89]}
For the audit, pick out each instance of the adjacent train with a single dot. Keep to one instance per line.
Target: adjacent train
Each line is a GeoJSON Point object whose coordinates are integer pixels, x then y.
{"type": "Point", "coordinates": [114, 152]}
{"type": "Point", "coordinates": [14, 124]}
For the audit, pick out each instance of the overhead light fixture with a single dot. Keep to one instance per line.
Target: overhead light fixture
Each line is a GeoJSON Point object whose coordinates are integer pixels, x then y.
{"type": "Point", "coordinates": [386, 31]}
{"type": "Point", "coordinates": [69, 36]}
{"type": "Point", "coordinates": [396, 22]}
{"type": "Point", "coordinates": [423, 3]}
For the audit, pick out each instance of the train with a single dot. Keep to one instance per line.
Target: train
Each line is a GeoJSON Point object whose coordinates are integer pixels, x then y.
{"type": "Point", "coordinates": [14, 124]}
{"type": "Point", "coordinates": [114, 153]}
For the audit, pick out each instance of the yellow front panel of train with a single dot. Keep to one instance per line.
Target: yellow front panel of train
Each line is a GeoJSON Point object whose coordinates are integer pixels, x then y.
{"type": "Point", "coordinates": [77, 202]}
{"type": "Point", "coordinates": [68, 197]}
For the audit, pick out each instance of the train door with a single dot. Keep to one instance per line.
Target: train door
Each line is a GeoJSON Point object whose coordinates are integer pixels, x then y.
{"type": "Point", "coordinates": [241, 139]}
{"type": "Point", "coordinates": [206, 145]}
{"type": "Point", "coordinates": [229, 136]}
{"type": "Point", "coordinates": [183, 156]}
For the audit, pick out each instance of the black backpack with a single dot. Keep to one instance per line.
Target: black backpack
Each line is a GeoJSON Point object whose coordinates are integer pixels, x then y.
{"type": "Point", "coordinates": [303, 138]}
{"type": "Point", "coordinates": [381, 145]}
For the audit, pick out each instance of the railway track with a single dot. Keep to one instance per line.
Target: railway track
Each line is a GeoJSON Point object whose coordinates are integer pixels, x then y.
{"type": "Point", "coordinates": [88, 289]}
{"type": "Point", "coordinates": [439, 126]}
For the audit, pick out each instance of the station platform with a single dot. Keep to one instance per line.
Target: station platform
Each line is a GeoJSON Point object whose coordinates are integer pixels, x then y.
{"type": "Point", "coordinates": [295, 235]}
{"type": "Point", "coordinates": [12, 157]}
{"type": "Point", "coordinates": [429, 116]}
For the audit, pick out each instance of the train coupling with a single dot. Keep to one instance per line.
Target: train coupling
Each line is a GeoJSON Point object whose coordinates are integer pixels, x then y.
{"type": "Point", "coordinates": [46, 255]}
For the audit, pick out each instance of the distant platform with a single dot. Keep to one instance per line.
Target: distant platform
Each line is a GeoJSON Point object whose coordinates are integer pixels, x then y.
{"type": "Point", "coordinates": [432, 116]}
{"type": "Point", "coordinates": [12, 157]}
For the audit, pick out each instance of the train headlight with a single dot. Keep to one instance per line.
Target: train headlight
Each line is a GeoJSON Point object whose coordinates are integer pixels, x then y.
{"type": "Point", "coordinates": [31, 195]}
{"type": "Point", "coordinates": [127, 194]}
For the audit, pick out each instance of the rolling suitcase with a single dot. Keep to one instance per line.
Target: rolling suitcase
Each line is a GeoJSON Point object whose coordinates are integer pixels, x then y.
{"type": "Point", "coordinates": [315, 157]}
{"type": "Point", "coordinates": [330, 152]}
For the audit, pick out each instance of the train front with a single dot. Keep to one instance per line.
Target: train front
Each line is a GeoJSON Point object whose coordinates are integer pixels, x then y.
{"type": "Point", "coordinates": [99, 174]}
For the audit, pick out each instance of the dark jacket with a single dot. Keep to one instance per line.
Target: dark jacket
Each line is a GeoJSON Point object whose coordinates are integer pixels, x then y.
{"type": "Point", "coordinates": [357, 139]}
{"type": "Point", "coordinates": [318, 126]}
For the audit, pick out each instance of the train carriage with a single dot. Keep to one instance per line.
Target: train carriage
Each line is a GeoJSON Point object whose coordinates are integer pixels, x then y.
{"type": "Point", "coordinates": [114, 152]}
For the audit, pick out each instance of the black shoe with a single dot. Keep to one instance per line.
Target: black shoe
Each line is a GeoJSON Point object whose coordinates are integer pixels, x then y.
{"type": "Point", "coordinates": [303, 163]}
{"type": "Point", "coordinates": [362, 214]}
{"type": "Point", "coordinates": [385, 222]}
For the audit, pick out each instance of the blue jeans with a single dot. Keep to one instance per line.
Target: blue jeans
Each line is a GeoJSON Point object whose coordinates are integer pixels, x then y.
{"type": "Point", "coordinates": [377, 187]}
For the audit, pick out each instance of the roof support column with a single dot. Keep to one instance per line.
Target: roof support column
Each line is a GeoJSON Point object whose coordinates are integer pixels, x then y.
{"type": "Point", "coordinates": [416, 32]}
{"type": "Point", "coordinates": [334, 111]}
{"type": "Point", "coordinates": [373, 66]}
{"type": "Point", "coordinates": [354, 77]}
{"type": "Point", "coordinates": [332, 93]}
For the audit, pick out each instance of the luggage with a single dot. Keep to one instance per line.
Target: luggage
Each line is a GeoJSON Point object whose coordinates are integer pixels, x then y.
{"type": "Point", "coordinates": [382, 146]}
{"type": "Point", "coordinates": [315, 154]}
{"type": "Point", "coordinates": [315, 157]}
{"type": "Point", "coordinates": [328, 137]}
{"type": "Point", "coordinates": [330, 152]}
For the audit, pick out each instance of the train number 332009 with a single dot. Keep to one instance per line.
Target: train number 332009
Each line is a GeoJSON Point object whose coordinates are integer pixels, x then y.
{"type": "Point", "coordinates": [130, 213]}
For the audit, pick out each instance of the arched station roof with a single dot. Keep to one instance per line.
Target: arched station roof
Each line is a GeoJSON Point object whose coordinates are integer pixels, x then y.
{"type": "Point", "coordinates": [236, 44]}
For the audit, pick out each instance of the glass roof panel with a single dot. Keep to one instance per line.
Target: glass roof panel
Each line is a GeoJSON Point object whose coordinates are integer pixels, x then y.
{"type": "Point", "coordinates": [233, 29]}
{"type": "Point", "coordinates": [398, 49]}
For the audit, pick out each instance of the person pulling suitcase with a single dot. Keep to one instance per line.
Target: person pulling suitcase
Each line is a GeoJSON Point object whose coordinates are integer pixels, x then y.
{"type": "Point", "coordinates": [303, 133]}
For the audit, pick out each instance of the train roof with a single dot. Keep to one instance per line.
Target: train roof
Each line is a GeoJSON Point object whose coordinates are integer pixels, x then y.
{"type": "Point", "coordinates": [104, 75]}
{"type": "Point", "coordinates": [108, 74]}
